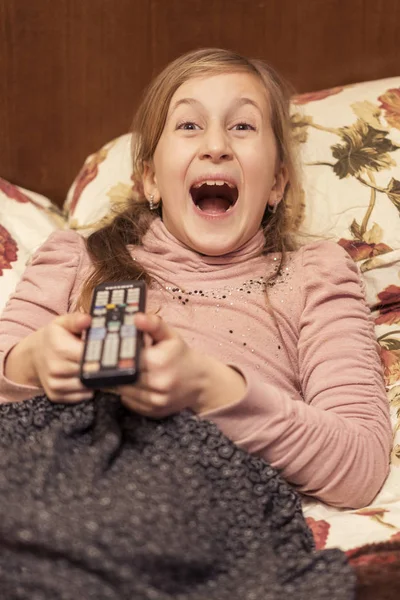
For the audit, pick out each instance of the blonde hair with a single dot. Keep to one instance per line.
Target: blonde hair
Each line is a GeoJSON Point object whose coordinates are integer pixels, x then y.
{"type": "Point", "coordinates": [107, 246]}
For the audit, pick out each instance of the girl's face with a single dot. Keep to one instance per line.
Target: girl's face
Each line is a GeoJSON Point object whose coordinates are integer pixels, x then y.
{"type": "Point", "coordinates": [216, 165]}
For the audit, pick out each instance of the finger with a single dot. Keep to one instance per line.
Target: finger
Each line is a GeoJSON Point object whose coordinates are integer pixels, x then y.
{"type": "Point", "coordinates": [149, 400]}
{"type": "Point", "coordinates": [75, 323]}
{"type": "Point", "coordinates": [138, 389]}
{"type": "Point", "coordinates": [73, 385]}
{"type": "Point", "coordinates": [68, 347]}
{"type": "Point", "coordinates": [155, 326]}
{"type": "Point", "coordinates": [72, 398]}
{"type": "Point", "coordinates": [65, 369]}
{"type": "Point", "coordinates": [144, 408]}
{"type": "Point", "coordinates": [162, 356]}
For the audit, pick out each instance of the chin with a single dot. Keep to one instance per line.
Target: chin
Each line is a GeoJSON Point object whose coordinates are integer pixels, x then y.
{"type": "Point", "coordinates": [215, 248]}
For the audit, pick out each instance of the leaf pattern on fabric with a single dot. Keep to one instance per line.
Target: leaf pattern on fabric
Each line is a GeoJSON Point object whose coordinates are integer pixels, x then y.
{"type": "Point", "coordinates": [376, 514]}
{"type": "Point", "coordinates": [363, 147]}
{"type": "Point", "coordinates": [299, 124]}
{"type": "Point", "coordinates": [370, 113]}
{"type": "Point", "coordinates": [8, 250]}
{"type": "Point", "coordinates": [366, 244]}
{"type": "Point", "coordinates": [390, 102]}
{"type": "Point", "coordinates": [393, 192]}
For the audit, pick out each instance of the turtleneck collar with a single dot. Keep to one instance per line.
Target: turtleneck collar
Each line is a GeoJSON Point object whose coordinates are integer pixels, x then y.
{"type": "Point", "coordinates": [159, 241]}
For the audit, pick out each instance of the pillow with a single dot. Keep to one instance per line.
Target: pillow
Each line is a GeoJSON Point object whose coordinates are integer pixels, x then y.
{"type": "Point", "coordinates": [104, 182]}
{"type": "Point", "coordinates": [27, 219]}
{"type": "Point", "coordinates": [350, 149]}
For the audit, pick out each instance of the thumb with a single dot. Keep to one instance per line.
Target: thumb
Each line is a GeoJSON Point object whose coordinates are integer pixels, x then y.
{"type": "Point", "coordinates": [155, 326]}
{"type": "Point", "coordinates": [74, 322]}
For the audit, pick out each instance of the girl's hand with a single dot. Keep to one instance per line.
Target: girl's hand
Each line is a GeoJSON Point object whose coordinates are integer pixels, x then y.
{"type": "Point", "coordinates": [50, 358]}
{"type": "Point", "coordinates": [174, 376]}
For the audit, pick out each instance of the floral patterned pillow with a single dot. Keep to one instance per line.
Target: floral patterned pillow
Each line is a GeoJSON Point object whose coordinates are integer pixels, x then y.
{"type": "Point", "coordinates": [104, 183]}
{"type": "Point", "coordinates": [26, 220]}
{"type": "Point", "coordinates": [350, 147]}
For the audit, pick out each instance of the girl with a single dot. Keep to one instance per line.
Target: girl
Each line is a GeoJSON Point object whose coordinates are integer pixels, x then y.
{"type": "Point", "coordinates": [272, 344]}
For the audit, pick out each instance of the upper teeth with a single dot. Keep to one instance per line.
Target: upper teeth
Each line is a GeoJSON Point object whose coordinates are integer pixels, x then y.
{"type": "Point", "coordinates": [217, 182]}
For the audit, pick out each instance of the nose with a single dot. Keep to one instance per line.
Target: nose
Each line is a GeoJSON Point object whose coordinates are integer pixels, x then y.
{"type": "Point", "coordinates": [215, 145]}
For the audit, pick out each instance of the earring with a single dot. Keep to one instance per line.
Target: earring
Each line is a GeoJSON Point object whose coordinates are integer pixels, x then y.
{"type": "Point", "coordinates": [272, 209]}
{"type": "Point", "coordinates": [152, 206]}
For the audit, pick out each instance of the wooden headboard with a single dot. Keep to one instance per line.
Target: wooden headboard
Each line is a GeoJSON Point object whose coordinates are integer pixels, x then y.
{"type": "Point", "coordinates": [72, 71]}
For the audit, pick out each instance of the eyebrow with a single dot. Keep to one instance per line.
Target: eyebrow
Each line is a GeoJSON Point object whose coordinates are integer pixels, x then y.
{"type": "Point", "coordinates": [237, 104]}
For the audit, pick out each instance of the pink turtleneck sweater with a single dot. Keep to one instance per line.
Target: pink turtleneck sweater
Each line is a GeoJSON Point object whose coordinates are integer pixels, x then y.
{"type": "Point", "coordinates": [315, 405]}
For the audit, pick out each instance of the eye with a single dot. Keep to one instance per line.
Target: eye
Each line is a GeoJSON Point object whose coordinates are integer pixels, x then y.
{"type": "Point", "coordinates": [188, 126]}
{"type": "Point", "coordinates": [244, 127]}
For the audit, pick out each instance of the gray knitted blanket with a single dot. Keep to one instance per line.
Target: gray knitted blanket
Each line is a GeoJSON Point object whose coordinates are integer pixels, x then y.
{"type": "Point", "coordinates": [97, 502]}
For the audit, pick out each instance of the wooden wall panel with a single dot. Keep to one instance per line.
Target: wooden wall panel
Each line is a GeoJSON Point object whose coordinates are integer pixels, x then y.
{"type": "Point", "coordinates": [71, 71]}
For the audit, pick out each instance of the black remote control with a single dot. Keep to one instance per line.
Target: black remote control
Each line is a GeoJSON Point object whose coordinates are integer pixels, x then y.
{"type": "Point", "coordinates": [112, 344]}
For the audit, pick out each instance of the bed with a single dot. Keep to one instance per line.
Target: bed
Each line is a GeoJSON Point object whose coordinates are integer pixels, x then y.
{"type": "Point", "coordinates": [72, 73]}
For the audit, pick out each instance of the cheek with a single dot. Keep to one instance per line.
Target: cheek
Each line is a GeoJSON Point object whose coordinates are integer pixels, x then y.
{"type": "Point", "coordinates": [170, 161]}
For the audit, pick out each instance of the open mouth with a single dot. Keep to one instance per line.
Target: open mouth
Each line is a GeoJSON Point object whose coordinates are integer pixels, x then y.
{"type": "Point", "coordinates": [214, 197]}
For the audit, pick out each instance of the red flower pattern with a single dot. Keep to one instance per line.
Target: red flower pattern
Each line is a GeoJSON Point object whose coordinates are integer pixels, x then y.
{"type": "Point", "coordinates": [390, 102]}
{"type": "Point", "coordinates": [8, 249]}
{"type": "Point", "coordinates": [320, 531]}
{"type": "Point", "coordinates": [313, 96]}
{"type": "Point", "coordinates": [88, 172]}
{"type": "Point", "coordinates": [389, 307]}
{"type": "Point", "coordinates": [359, 250]}
{"type": "Point", "coordinates": [13, 192]}
{"type": "Point", "coordinates": [391, 365]}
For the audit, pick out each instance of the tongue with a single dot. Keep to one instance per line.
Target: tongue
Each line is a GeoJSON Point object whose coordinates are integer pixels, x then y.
{"type": "Point", "coordinates": [214, 206]}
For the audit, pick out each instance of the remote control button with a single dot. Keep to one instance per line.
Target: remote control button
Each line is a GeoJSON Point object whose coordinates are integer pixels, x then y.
{"type": "Point", "coordinates": [129, 320]}
{"type": "Point", "coordinates": [113, 325]}
{"type": "Point", "coordinates": [127, 363]}
{"type": "Point", "coordinates": [117, 295]}
{"type": "Point", "coordinates": [91, 367]}
{"type": "Point", "coordinates": [133, 295]}
{"type": "Point", "coordinates": [99, 310]}
{"type": "Point", "coordinates": [101, 298]}
{"type": "Point", "coordinates": [132, 308]}
{"type": "Point", "coordinates": [109, 306]}
{"type": "Point", "coordinates": [128, 346]}
{"type": "Point", "coordinates": [98, 322]}
{"type": "Point", "coordinates": [93, 350]}
{"type": "Point", "coordinates": [128, 331]}
{"type": "Point", "coordinates": [97, 333]}
{"type": "Point", "coordinates": [110, 351]}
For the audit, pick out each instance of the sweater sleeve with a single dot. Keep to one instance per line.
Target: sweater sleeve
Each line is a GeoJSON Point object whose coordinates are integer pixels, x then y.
{"type": "Point", "coordinates": [333, 440]}
{"type": "Point", "coordinates": [43, 293]}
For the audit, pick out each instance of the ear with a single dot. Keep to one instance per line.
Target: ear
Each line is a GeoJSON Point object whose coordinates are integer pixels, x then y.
{"type": "Point", "coordinates": [149, 179]}
{"type": "Point", "coordinates": [278, 189]}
